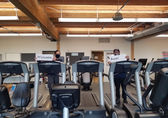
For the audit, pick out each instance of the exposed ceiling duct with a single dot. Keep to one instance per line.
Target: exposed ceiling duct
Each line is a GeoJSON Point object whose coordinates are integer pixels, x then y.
{"type": "Point", "coordinates": [150, 32]}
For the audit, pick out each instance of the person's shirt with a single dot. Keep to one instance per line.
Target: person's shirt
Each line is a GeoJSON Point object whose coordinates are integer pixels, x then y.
{"type": "Point", "coordinates": [61, 59]}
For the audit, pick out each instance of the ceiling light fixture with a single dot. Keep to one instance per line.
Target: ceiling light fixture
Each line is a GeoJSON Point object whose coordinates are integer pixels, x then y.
{"type": "Point", "coordinates": [20, 34]}
{"type": "Point", "coordinates": [152, 19]}
{"type": "Point", "coordinates": [123, 20]}
{"type": "Point", "coordinates": [162, 35]}
{"type": "Point", "coordinates": [77, 35]}
{"type": "Point", "coordinates": [111, 20]}
{"type": "Point", "coordinates": [100, 35]}
{"type": "Point", "coordinates": [108, 35]}
{"type": "Point", "coordinates": [9, 18]}
{"type": "Point", "coordinates": [77, 19]}
{"type": "Point", "coordinates": [122, 35]}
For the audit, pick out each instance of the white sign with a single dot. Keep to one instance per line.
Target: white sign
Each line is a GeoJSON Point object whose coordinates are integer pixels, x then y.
{"type": "Point", "coordinates": [116, 58]}
{"type": "Point", "coordinates": [44, 57]}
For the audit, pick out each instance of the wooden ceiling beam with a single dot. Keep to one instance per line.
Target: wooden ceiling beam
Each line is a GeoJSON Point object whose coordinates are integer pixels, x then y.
{"type": "Point", "coordinates": [85, 14]}
{"type": "Point", "coordinates": [103, 2]}
{"type": "Point", "coordinates": [33, 9]}
{"type": "Point", "coordinates": [16, 23]}
{"type": "Point", "coordinates": [20, 14]}
{"type": "Point", "coordinates": [4, 0]}
{"type": "Point", "coordinates": [92, 25]}
{"type": "Point", "coordinates": [11, 12]}
{"type": "Point", "coordinates": [6, 5]}
{"type": "Point", "coordinates": [109, 11]}
{"type": "Point", "coordinates": [20, 31]}
{"type": "Point", "coordinates": [56, 7]}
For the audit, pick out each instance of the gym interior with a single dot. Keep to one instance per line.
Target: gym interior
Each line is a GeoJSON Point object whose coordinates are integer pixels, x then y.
{"type": "Point", "coordinates": [84, 78]}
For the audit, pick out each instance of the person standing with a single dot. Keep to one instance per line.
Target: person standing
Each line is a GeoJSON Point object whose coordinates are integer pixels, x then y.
{"type": "Point", "coordinates": [119, 77]}
{"type": "Point", "coordinates": [53, 78]}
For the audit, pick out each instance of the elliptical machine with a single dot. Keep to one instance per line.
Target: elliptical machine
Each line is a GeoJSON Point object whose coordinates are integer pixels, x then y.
{"type": "Point", "coordinates": [85, 78]}
{"type": "Point", "coordinates": [21, 95]}
{"type": "Point", "coordinates": [65, 97]}
{"type": "Point", "coordinates": [157, 91]}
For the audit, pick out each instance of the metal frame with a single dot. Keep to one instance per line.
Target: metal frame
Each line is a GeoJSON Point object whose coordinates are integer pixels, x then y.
{"type": "Point", "coordinates": [36, 84]}
{"type": "Point", "coordinates": [0, 78]}
{"type": "Point", "coordinates": [137, 81]}
{"type": "Point", "coordinates": [100, 71]}
{"type": "Point", "coordinates": [65, 112]}
{"type": "Point", "coordinates": [25, 71]}
{"type": "Point", "coordinates": [147, 73]}
{"type": "Point", "coordinates": [36, 81]}
{"type": "Point", "coordinates": [112, 86]}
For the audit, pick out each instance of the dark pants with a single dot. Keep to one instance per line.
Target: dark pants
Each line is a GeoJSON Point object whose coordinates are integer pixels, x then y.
{"type": "Point", "coordinates": [119, 81]}
{"type": "Point", "coordinates": [53, 79]}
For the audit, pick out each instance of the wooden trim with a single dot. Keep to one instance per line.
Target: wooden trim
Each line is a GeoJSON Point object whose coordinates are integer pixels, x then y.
{"type": "Point", "coordinates": [102, 2]}
{"type": "Point", "coordinates": [58, 44]}
{"type": "Point", "coordinates": [132, 50]}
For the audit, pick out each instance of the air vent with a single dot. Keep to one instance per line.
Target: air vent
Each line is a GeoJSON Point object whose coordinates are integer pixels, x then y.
{"type": "Point", "coordinates": [104, 40]}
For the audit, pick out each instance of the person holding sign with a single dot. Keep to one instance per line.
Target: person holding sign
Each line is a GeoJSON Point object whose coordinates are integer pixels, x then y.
{"type": "Point", "coordinates": [53, 78]}
{"type": "Point", "coordinates": [119, 77]}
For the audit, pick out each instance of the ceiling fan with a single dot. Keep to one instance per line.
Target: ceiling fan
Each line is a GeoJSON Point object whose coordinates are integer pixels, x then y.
{"type": "Point", "coordinates": [118, 16]}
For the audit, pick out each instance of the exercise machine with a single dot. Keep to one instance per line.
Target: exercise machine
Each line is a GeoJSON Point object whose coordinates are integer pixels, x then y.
{"type": "Point", "coordinates": [91, 105]}
{"type": "Point", "coordinates": [44, 68]}
{"type": "Point", "coordinates": [128, 110]}
{"type": "Point", "coordinates": [156, 106]}
{"type": "Point", "coordinates": [85, 79]}
{"type": "Point", "coordinates": [21, 95]}
{"type": "Point", "coordinates": [65, 97]}
{"type": "Point", "coordinates": [157, 91]}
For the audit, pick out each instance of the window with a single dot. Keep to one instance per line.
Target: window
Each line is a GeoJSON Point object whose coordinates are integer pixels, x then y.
{"type": "Point", "coordinates": [74, 56]}
{"type": "Point", "coordinates": [28, 57]}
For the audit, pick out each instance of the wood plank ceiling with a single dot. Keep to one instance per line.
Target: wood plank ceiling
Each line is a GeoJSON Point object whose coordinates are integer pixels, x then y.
{"type": "Point", "coordinates": [86, 9]}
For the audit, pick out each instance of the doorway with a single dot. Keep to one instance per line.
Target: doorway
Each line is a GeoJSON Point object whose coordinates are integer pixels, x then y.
{"type": "Point", "coordinates": [98, 55]}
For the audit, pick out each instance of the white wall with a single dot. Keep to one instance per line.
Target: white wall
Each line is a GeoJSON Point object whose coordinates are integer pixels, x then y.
{"type": "Point", "coordinates": [17, 45]}
{"type": "Point", "coordinates": [88, 44]}
{"type": "Point", "coordinates": [150, 47]}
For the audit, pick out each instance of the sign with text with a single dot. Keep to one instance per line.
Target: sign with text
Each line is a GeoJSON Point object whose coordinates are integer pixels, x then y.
{"type": "Point", "coordinates": [116, 58]}
{"type": "Point", "coordinates": [44, 57]}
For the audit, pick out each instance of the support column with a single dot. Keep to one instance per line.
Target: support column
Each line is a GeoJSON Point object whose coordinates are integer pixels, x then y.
{"type": "Point", "coordinates": [58, 44]}
{"type": "Point", "coordinates": [132, 50]}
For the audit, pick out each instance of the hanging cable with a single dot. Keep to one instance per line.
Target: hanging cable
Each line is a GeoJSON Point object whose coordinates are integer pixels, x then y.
{"type": "Point", "coordinates": [123, 5]}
